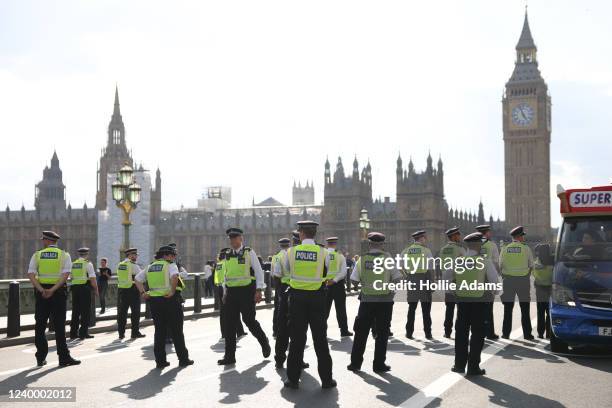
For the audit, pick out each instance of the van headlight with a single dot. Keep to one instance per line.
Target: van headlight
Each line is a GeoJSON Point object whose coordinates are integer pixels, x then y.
{"type": "Point", "coordinates": [562, 295]}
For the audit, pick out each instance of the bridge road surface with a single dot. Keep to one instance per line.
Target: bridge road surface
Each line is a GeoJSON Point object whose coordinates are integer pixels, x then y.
{"type": "Point", "coordinates": [122, 373]}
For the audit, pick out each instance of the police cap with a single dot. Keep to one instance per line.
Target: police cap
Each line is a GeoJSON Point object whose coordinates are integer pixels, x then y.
{"type": "Point", "coordinates": [131, 251]}
{"type": "Point", "coordinates": [83, 250]}
{"type": "Point", "coordinates": [166, 250]}
{"type": "Point", "coordinates": [234, 232]}
{"type": "Point", "coordinates": [50, 235]}
{"type": "Point", "coordinates": [307, 224]}
{"type": "Point", "coordinates": [418, 234]}
{"type": "Point", "coordinates": [483, 228]}
{"type": "Point", "coordinates": [376, 237]}
{"type": "Point", "coordinates": [331, 240]}
{"type": "Point", "coordinates": [518, 231]}
{"type": "Point", "coordinates": [473, 237]}
{"type": "Point", "coordinates": [452, 231]}
{"type": "Point", "coordinates": [284, 241]}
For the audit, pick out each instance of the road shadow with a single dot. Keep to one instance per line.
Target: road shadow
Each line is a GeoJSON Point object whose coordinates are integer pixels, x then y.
{"type": "Point", "coordinates": [114, 345]}
{"type": "Point", "coordinates": [398, 346]}
{"type": "Point", "coordinates": [394, 390]}
{"type": "Point", "coordinates": [437, 347]}
{"type": "Point", "coordinates": [345, 344]}
{"type": "Point", "coordinates": [22, 379]}
{"type": "Point", "coordinates": [149, 385]}
{"type": "Point", "coordinates": [310, 394]}
{"type": "Point", "coordinates": [505, 395]}
{"type": "Point", "coordinates": [235, 383]}
{"type": "Point", "coordinates": [526, 350]}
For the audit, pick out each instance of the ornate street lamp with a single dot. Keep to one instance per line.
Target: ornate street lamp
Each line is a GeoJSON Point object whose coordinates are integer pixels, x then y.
{"type": "Point", "coordinates": [126, 193]}
{"type": "Point", "coordinates": [364, 224]}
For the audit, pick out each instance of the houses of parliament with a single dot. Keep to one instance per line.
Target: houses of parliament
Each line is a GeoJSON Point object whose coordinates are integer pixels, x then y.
{"type": "Point", "coordinates": [200, 232]}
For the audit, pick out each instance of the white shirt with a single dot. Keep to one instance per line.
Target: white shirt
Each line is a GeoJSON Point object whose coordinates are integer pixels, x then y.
{"type": "Point", "coordinates": [259, 273]}
{"type": "Point", "coordinates": [207, 271]}
{"type": "Point", "coordinates": [89, 268]}
{"type": "Point", "coordinates": [66, 266]}
{"type": "Point", "coordinates": [341, 274]}
{"type": "Point", "coordinates": [396, 275]}
{"type": "Point", "coordinates": [277, 268]}
{"type": "Point", "coordinates": [309, 241]}
{"type": "Point", "coordinates": [142, 274]}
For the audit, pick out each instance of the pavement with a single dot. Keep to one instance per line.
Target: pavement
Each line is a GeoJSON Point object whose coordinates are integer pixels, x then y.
{"type": "Point", "coordinates": [120, 373]}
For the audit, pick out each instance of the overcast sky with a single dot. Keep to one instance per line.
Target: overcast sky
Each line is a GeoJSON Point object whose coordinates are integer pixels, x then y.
{"type": "Point", "coordinates": [256, 94]}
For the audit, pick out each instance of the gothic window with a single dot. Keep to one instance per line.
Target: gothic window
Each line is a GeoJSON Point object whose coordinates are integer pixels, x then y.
{"type": "Point", "coordinates": [116, 136]}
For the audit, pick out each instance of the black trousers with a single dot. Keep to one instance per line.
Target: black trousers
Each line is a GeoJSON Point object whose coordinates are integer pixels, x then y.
{"type": "Point", "coordinates": [278, 287]}
{"type": "Point", "coordinates": [81, 310]}
{"type": "Point", "coordinates": [470, 318]}
{"type": "Point", "coordinates": [489, 319]}
{"type": "Point", "coordinates": [308, 308]}
{"type": "Point", "coordinates": [543, 295]}
{"type": "Point", "coordinates": [413, 299]}
{"type": "Point", "coordinates": [449, 315]}
{"type": "Point", "coordinates": [240, 300]}
{"type": "Point", "coordinates": [282, 325]}
{"type": "Point", "coordinates": [222, 315]}
{"type": "Point", "coordinates": [102, 289]}
{"type": "Point", "coordinates": [516, 286]}
{"type": "Point", "coordinates": [129, 298]}
{"type": "Point", "coordinates": [371, 313]}
{"type": "Point", "coordinates": [168, 318]}
{"type": "Point", "coordinates": [53, 308]}
{"type": "Point", "coordinates": [337, 295]}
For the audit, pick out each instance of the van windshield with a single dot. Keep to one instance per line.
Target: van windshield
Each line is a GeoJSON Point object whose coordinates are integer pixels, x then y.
{"type": "Point", "coordinates": [586, 239]}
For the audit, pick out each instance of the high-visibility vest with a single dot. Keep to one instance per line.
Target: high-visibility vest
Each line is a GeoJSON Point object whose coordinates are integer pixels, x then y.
{"type": "Point", "coordinates": [280, 259]}
{"type": "Point", "coordinates": [470, 276]}
{"type": "Point", "coordinates": [238, 269]}
{"type": "Point", "coordinates": [515, 259]}
{"type": "Point", "coordinates": [450, 251]}
{"type": "Point", "coordinates": [306, 266]}
{"type": "Point", "coordinates": [50, 262]}
{"type": "Point", "coordinates": [78, 274]}
{"type": "Point", "coordinates": [542, 274]}
{"type": "Point", "coordinates": [158, 278]}
{"type": "Point", "coordinates": [368, 277]}
{"type": "Point", "coordinates": [486, 249]}
{"type": "Point", "coordinates": [416, 251]}
{"type": "Point", "coordinates": [334, 264]}
{"type": "Point", "coordinates": [124, 275]}
{"type": "Point", "coordinates": [219, 273]}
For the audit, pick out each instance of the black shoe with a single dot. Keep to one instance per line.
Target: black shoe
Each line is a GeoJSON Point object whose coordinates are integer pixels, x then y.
{"type": "Point", "coordinates": [429, 336]}
{"type": "Point", "coordinates": [540, 336]}
{"type": "Point", "coordinates": [266, 350]}
{"type": "Point", "coordinates": [505, 336]}
{"type": "Point", "coordinates": [454, 369]}
{"type": "Point", "coordinates": [226, 361]}
{"type": "Point", "coordinates": [493, 337]}
{"type": "Point", "coordinates": [121, 336]}
{"type": "Point", "coordinates": [162, 365]}
{"type": "Point", "coordinates": [185, 363]}
{"type": "Point", "coordinates": [138, 335]}
{"type": "Point", "coordinates": [409, 336]}
{"type": "Point", "coordinates": [381, 368]}
{"type": "Point", "coordinates": [73, 337]}
{"type": "Point", "coordinates": [305, 365]}
{"type": "Point", "coordinates": [353, 368]}
{"type": "Point", "coordinates": [346, 334]}
{"type": "Point", "coordinates": [447, 335]}
{"type": "Point", "coordinates": [41, 363]}
{"type": "Point", "coordinates": [476, 371]}
{"type": "Point", "coordinates": [329, 384]}
{"type": "Point", "coordinates": [291, 384]}
{"type": "Point", "coordinates": [529, 337]}
{"type": "Point", "coordinates": [239, 335]}
{"type": "Point", "coordinates": [87, 336]}
{"type": "Point", "coordinates": [102, 311]}
{"type": "Point", "coordinates": [69, 362]}
{"type": "Point", "coordinates": [390, 334]}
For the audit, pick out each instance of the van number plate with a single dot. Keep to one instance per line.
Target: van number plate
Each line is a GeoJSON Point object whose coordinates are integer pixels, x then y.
{"type": "Point", "coordinates": [605, 331]}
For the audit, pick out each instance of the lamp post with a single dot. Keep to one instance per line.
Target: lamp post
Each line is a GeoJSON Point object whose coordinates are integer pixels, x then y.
{"type": "Point", "coordinates": [126, 193]}
{"type": "Point", "coordinates": [364, 224]}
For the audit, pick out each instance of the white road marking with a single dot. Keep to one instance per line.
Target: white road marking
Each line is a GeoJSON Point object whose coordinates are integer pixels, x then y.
{"type": "Point", "coordinates": [448, 380]}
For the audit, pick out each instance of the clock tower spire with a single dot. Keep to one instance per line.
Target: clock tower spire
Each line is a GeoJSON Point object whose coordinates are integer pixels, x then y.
{"type": "Point", "coordinates": [526, 111]}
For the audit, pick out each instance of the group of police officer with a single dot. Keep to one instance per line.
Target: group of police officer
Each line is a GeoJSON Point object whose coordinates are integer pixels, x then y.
{"type": "Point", "coordinates": [310, 278]}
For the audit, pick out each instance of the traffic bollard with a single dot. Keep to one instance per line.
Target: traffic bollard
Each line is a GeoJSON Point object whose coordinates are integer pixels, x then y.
{"type": "Point", "coordinates": [13, 326]}
{"type": "Point", "coordinates": [197, 296]}
{"type": "Point", "coordinates": [92, 310]}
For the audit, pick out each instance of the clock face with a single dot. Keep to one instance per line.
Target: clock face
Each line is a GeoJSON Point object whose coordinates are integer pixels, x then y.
{"type": "Point", "coordinates": [522, 114]}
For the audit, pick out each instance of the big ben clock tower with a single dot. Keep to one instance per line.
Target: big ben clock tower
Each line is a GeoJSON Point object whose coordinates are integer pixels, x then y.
{"type": "Point", "coordinates": [526, 126]}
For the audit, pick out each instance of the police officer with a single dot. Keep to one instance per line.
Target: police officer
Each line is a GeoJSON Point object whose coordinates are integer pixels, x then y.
{"type": "Point", "coordinates": [516, 262]}
{"type": "Point", "coordinates": [335, 285]}
{"type": "Point", "coordinates": [490, 250]}
{"type": "Point", "coordinates": [471, 307]}
{"type": "Point", "coordinates": [243, 288]}
{"type": "Point", "coordinates": [376, 304]}
{"type": "Point", "coordinates": [82, 283]}
{"type": "Point", "coordinates": [219, 279]}
{"type": "Point", "coordinates": [48, 271]}
{"type": "Point", "coordinates": [307, 264]}
{"type": "Point", "coordinates": [129, 297]}
{"type": "Point", "coordinates": [448, 254]}
{"type": "Point", "coordinates": [418, 256]}
{"type": "Point", "coordinates": [166, 309]}
{"type": "Point", "coordinates": [542, 275]}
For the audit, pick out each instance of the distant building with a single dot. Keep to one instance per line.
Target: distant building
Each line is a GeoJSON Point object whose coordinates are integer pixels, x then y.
{"type": "Point", "coordinates": [216, 198]}
{"type": "Point", "coordinates": [303, 195]}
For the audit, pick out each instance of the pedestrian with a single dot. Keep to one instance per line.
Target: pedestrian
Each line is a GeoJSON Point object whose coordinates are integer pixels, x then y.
{"type": "Point", "coordinates": [542, 280]}
{"type": "Point", "coordinates": [335, 285]}
{"type": "Point", "coordinates": [48, 272]}
{"type": "Point", "coordinates": [219, 279]}
{"type": "Point", "coordinates": [492, 252]}
{"type": "Point", "coordinates": [104, 274]}
{"type": "Point", "coordinates": [307, 264]}
{"type": "Point", "coordinates": [375, 306]}
{"type": "Point", "coordinates": [243, 289]}
{"type": "Point", "coordinates": [471, 306]}
{"type": "Point", "coordinates": [162, 277]}
{"type": "Point", "coordinates": [129, 297]}
{"type": "Point", "coordinates": [82, 284]}
{"type": "Point", "coordinates": [420, 273]}
{"type": "Point", "coordinates": [207, 276]}
{"type": "Point", "coordinates": [448, 255]}
{"type": "Point", "coordinates": [516, 262]}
